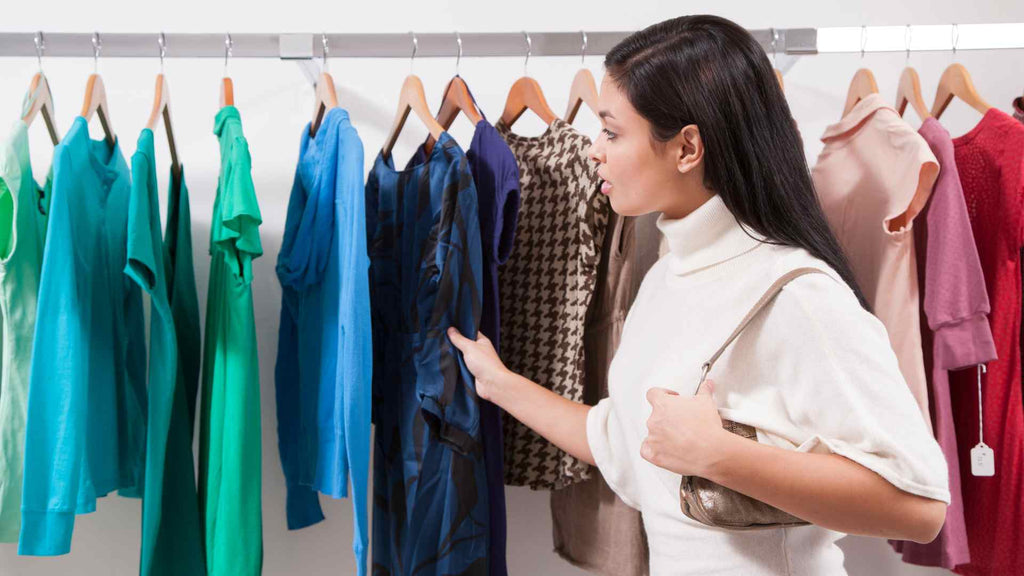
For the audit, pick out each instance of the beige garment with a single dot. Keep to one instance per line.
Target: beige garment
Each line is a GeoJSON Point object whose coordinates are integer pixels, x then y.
{"type": "Point", "coordinates": [593, 528]}
{"type": "Point", "coordinates": [875, 170]}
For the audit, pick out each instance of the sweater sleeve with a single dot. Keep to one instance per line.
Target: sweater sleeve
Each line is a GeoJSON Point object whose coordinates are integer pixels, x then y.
{"type": "Point", "coordinates": [819, 375]}
{"type": "Point", "coordinates": [613, 451]}
{"type": "Point", "coordinates": [355, 341]}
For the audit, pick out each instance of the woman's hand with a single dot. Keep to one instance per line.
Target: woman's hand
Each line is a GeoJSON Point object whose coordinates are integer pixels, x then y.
{"type": "Point", "coordinates": [684, 434]}
{"type": "Point", "coordinates": [482, 360]}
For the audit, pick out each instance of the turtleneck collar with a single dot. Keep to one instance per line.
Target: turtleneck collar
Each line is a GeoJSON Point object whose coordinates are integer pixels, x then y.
{"type": "Point", "coordinates": [707, 236]}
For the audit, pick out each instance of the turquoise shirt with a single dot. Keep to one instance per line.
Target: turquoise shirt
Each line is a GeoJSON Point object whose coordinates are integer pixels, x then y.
{"type": "Point", "coordinates": [23, 214]}
{"type": "Point", "coordinates": [171, 539]}
{"type": "Point", "coordinates": [85, 434]}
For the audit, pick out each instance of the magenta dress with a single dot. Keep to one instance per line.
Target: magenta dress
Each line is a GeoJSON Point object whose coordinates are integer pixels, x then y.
{"type": "Point", "coordinates": [954, 330]}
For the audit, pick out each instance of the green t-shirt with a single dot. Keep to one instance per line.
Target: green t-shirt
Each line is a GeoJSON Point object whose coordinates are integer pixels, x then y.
{"type": "Point", "coordinates": [171, 539]}
{"type": "Point", "coordinates": [229, 442]}
{"type": "Point", "coordinates": [23, 217]}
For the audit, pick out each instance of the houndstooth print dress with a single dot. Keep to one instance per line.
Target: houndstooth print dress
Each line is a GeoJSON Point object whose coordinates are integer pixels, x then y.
{"type": "Point", "coordinates": [546, 286]}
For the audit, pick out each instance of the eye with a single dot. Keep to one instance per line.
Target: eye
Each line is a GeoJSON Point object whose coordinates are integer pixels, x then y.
{"type": "Point", "coordinates": [608, 133]}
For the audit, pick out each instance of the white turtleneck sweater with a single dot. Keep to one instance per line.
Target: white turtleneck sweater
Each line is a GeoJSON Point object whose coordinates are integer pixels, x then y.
{"type": "Point", "coordinates": [814, 372]}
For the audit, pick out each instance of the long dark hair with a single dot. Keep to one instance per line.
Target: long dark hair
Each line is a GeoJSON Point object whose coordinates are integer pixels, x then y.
{"type": "Point", "coordinates": [708, 71]}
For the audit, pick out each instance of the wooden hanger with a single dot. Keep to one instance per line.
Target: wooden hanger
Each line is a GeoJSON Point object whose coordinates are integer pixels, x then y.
{"type": "Point", "coordinates": [411, 98]}
{"type": "Point", "coordinates": [227, 87]}
{"type": "Point", "coordinates": [909, 88]}
{"type": "Point", "coordinates": [583, 89]}
{"type": "Point", "coordinates": [96, 97]}
{"type": "Point", "coordinates": [456, 99]}
{"type": "Point", "coordinates": [778, 78]}
{"type": "Point", "coordinates": [325, 97]}
{"type": "Point", "coordinates": [956, 81]}
{"type": "Point", "coordinates": [41, 103]}
{"type": "Point", "coordinates": [40, 98]}
{"type": "Point", "coordinates": [909, 92]}
{"type": "Point", "coordinates": [862, 86]}
{"type": "Point", "coordinates": [162, 109]}
{"type": "Point", "coordinates": [526, 94]}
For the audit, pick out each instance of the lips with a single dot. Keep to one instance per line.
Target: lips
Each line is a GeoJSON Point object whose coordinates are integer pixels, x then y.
{"type": "Point", "coordinates": [606, 187]}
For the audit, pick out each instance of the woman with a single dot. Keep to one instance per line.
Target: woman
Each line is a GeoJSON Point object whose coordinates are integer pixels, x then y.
{"type": "Point", "coordinates": [696, 127]}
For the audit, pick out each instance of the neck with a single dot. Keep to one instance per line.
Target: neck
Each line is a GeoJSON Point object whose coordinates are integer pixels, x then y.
{"type": "Point", "coordinates": [689, 199]}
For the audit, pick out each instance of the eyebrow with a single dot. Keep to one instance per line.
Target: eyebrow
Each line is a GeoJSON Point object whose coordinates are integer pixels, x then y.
{"type": "Point", "coordinates": [605, 114]}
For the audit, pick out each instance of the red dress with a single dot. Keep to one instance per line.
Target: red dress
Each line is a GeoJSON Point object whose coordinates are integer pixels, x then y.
{"type": "Point", "coordinates": [990, 159]}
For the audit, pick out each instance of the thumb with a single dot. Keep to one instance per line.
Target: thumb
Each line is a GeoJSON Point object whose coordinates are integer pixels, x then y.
{"type": "Point", "coordinates": [457, 338]}
{"type": "Point", "coordinates": [707, 388]}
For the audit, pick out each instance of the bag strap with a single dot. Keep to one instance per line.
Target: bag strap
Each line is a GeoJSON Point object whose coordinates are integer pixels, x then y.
{"type": "Point", "coordinates": [769, 294]}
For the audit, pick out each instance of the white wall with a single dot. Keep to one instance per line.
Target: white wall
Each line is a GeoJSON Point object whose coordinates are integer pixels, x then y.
{"type": "Point", "coordinates": [274, 100]}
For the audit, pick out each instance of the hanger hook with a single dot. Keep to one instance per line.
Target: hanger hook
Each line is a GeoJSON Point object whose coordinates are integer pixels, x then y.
{"type": "Point", "coordinates": [415, 47]}
{"type": "Point", "coordinates": [97, 47]}
{"type": "Point", "coordinates": [863, 40]}
{"type": "Point", "coordinates": [162, 40]}
{"type": "Point", "coordinates": [583, 49]}
{"type": "Point", "coordinates": [908, 37]}
{"type": "Point", "coordinates": [229, 44]}
{"type": "Point", "coordinates": [323, 40]}
{"type": "Point", "coordinates": [40, 48]}
{"type": "Point", "coordinates": [458, 38]}
{"type": "Point", "coordinates": [956, 37]}
{"type": "Point", "coordinates": [529, 50]}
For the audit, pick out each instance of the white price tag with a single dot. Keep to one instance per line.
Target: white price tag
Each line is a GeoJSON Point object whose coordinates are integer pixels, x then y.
{"type": "Point", "coordinates": [983, 461]}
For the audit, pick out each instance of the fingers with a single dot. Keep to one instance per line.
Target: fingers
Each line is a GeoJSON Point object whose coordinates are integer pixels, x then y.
{"type": "Point", "coordinates": [707, 388]}
{"type": "Point", "coordinates": [656, 394]}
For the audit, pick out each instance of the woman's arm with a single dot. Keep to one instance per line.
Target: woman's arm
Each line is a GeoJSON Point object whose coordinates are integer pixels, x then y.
{"type": "Point", "coordinates": [559, 420]}
{"type": "Point", "coordinates": [828, 490]}
{"type": "Point", "coordinates": [825, 489]}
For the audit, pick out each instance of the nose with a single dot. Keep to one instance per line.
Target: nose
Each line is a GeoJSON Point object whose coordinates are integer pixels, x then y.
{"type": "Point", "coordinates": [596, 151]}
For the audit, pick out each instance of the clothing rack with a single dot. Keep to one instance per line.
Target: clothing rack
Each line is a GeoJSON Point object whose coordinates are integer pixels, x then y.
{"type": "Point", "coordinates": [780, 41]}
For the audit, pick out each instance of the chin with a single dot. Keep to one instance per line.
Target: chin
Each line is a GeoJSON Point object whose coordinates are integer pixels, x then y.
{"type": "Point", "coordinates": [626, 210]}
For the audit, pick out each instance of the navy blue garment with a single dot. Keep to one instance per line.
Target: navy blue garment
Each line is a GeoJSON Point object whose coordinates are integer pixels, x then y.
{"type": "Point", "coordinates": [324, 356]}
{"type": "Point", "coordinates": [430, 515]}
{"type": "Point", "coordinates": [496, 175]}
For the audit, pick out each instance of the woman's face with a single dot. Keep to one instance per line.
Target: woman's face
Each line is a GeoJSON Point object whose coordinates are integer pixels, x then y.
{"type": "Point", "coordinates": [639, 175]}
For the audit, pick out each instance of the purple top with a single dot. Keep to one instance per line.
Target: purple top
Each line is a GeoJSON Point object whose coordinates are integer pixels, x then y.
{"type": "Point", "coordinates": [955, 311]}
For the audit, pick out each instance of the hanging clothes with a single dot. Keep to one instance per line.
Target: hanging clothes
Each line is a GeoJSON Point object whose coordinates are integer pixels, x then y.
{"type": "Point", "coordinates": [429, 477]}
{"type": "Point", "coordinates": [496, 177]}
{"type": "Point", "coordinates": [86, 429]}
{"type": "Point", "coordinates": [875, 171]}
{"type": "Point", "coordinates": [955, 330]}
{"type": "Point", "coordinates": [593, 528]}
{"type": "Point", "coordinates": [990, 159]}
{"type": "Point", "coordinates": [24, 209]}
{"type": "Point", "coordinates": [171, 541]}
{"type": "Point", "coordinates": [179, 272]}
{"type": "Point", "coordinates": [230, 484]}
{"type": "Point", "coordinates": [547, 285]}
{"type": "Point", "coordinates": [325, 348]}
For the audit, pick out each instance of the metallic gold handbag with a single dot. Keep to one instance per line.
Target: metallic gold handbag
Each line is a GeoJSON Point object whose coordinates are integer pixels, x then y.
{"type": "Point", "coordinates": [713, 504]}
